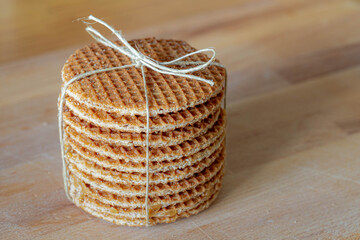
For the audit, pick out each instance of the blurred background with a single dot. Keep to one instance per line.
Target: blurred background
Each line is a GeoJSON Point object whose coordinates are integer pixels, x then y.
{"type": "Point", "coordinates": [269, 43]}
{"type": "Point", "coordinates": [33, 27]}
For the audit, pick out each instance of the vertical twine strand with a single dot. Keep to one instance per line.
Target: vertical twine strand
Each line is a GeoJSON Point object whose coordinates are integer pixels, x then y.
{"type": "Point", "coordinates": [147, 147]}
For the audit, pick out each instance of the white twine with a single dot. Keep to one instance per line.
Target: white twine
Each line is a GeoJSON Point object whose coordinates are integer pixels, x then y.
{"type": "Point", "coordinates": [141, 61]}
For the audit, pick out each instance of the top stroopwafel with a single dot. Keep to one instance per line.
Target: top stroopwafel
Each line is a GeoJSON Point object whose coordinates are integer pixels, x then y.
{"type": "Point", "coordinates": [123, 90]}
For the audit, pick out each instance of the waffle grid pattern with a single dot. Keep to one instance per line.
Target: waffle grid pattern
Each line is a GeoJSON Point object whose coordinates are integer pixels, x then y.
{"type": "Point", "coordinates": [104, 135]}
{"type": "Point", "coordinates": [123, 89]}
{"type": "Point", "coordinates": [163, 138]}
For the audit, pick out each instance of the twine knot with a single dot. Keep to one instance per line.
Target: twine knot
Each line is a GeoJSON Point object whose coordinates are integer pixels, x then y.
{"type": "Point", "coordinates": [140, 60]}
{"type": "Point", "coordinates": [137, 62]}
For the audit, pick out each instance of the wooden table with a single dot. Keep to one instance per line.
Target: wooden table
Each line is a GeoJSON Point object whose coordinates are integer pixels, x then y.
{"type": "Point", "coordinates": [293, 166]}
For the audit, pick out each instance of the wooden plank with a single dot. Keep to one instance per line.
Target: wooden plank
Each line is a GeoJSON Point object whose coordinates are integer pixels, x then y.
{"type": "Point", "coordinates": [293, 169]}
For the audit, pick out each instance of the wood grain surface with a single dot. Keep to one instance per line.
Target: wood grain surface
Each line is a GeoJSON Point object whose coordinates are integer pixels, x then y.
{"type": "Point", "coordinates": [293, 165]}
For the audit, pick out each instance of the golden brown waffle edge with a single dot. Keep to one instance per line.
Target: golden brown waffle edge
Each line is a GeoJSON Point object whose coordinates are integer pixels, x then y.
{"type": "Point", "coordinates": [123, 90]}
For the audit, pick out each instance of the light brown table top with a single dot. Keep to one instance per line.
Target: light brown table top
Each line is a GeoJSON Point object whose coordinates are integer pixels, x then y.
{"type": "Point", "coordinates": [293, 165]}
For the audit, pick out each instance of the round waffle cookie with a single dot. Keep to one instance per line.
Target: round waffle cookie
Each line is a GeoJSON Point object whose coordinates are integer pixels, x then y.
{"type": "Point", "coordinates": [168, 205]}
{"type": "Point", "coordinates": [136, 178]}
{"type": "Point", "coordinates": [139, 201]}
{"type": "Point", "coordinates": [82, 154]}
{"type": "Point", "coordinates": [159, 138]}
{"type": "Point", "coordinates": [137, 123]}
{"type": "Point", "coordinates": [122, 91]}
{"type": "Point", "coordinates": [105, 124]}
{"type": "Point", "coordinates": [138, 153]}
{"type": "Point", "coordinates": [165, 215]}
{"type": "Point", "coordinates": [155, 189]}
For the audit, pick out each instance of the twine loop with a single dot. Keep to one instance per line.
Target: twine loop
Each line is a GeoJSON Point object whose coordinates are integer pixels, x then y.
{"type": "Point", "coordinates": [139, 59]}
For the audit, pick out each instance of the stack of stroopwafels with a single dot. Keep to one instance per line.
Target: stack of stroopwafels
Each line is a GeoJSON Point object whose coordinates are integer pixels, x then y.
{"type": "Point", "coordinates": [104, 122]}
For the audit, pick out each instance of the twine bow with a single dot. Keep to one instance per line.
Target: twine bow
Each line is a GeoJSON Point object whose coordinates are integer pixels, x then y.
{"type": "Point", "coordinates": [141, 61]}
